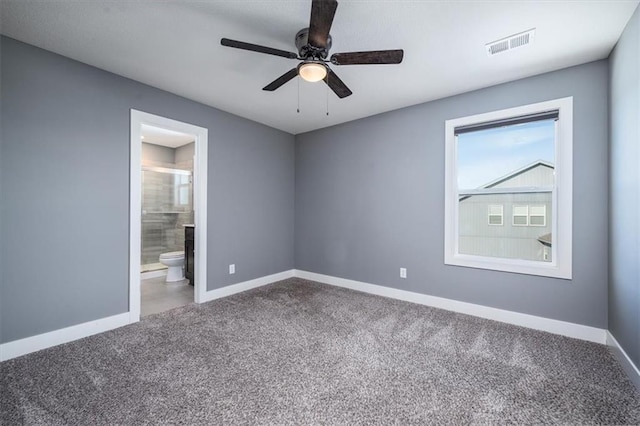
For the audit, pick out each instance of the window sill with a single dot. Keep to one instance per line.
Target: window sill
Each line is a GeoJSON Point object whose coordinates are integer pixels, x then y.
{"type": "Point", "coordinates": [518, 266]}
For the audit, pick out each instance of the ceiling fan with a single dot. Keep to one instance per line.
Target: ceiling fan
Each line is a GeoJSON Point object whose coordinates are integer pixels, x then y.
{"type": "Point", "coordinates": [313, 44]}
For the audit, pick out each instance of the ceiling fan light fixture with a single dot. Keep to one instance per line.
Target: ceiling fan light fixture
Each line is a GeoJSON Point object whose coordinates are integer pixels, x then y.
{"type": "Point", "coordinates": [312, 71]}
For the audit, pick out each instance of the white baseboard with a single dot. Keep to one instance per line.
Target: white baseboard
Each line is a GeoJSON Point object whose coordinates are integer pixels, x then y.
{"type": "Point", "coordinates": [246, 285]}
{"type": "Point", "coordinates": [563, 328]}
{"type": "Point", "coordinates": [153, 274]}
{"type": "Point", "coordinates": [27, 345]}
{"type": "Point", "coordinates": [629, 367]}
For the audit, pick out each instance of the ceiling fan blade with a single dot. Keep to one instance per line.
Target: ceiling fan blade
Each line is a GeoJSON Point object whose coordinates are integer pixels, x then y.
{"type": "Point", "coordinates": [281, 80]}
{"type": "Point", "coordinates": [322, 13]}
{"type": "Point", "coordinates": [257, 48]}
{"type": "Point", "coordinates": [366, 58]}
{"type": "Point", "coordinates": [335, 84]}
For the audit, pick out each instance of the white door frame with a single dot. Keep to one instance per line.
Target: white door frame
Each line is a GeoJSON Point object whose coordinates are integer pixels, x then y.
{"type": "Point", "coordinates": [138, 118]}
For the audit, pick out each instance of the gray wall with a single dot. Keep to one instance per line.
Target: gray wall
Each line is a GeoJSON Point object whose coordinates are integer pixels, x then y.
{"type": "Point", "coordinates": [162, 155]}
{"type": "Point", "coordinates": [157, 154]}
{"type": "Point", "coordinates": [368, 195]}
{"type": "Point", "coordinates": [65, 190]}
{"type": "Point", "coordinates": [185, 153]}
{"type": "Point", "coordinates": [370, 199]}
{"type": "Point", "coordinates": [624, 208]}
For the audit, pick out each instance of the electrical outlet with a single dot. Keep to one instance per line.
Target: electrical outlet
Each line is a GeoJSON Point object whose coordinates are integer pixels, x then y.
{"type": "Point", "coordinates": [232, 268]}
{"type": "Point", "coordinates": [403, 272]}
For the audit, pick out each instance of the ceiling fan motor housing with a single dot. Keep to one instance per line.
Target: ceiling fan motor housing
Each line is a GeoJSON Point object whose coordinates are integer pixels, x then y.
{"type": "Point", "coordinates": [307, 51]}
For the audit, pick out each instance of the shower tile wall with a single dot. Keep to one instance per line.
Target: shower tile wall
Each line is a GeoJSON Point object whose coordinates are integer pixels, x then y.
{"type": "Point", "coordinates": [162, 213]}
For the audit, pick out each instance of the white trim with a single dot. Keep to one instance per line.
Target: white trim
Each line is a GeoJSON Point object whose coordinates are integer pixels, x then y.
{"type": "Point", "coordinates": [153, 274]}
{"type": "Point", "coordinates": [561, 263]}
{"type": "Point", "coordinates": [627, 365]}
{"type": "Point", "coordinates": [200, 173]}
{"type": "Point", "coordinates": [577, 331]}
{"type": "Point", "coordinates": [27, 345]}
{"type": "Point", "coordinates": [135, 215]}
{"type": "Point", "coordinates": [247, 285]}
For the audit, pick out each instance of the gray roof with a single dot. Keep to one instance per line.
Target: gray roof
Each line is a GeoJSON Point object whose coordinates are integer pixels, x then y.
{"type": "Point", "coordinates": [545, 239]}
{"type": "Point", "coordinates": [517, 172]}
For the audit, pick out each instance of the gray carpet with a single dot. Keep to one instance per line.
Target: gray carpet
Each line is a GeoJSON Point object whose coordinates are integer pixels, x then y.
{"type": "Point", "coordinates": [297, 352]}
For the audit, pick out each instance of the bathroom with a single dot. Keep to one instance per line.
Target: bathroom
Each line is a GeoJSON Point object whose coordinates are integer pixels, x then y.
{"type": "Point", "coordinates": [167, 212]}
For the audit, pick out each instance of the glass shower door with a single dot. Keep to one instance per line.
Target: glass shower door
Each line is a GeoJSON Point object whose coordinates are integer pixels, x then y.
{"type": "Point", "coordinates": [167, 204]}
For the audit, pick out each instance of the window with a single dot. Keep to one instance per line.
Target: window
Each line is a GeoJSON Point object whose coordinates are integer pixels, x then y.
{"type": "Point", "coordinates": [519, 162]}
{"type": "Point", "coordinates": [182, 187]}
{"type": "Point", "coordinates": [495, 214]}
{"type": "Point", "coordinates": [529, 215]}
{"type": "Point", "coordinates": [538, 215]}
{"type": "Point", "coordinates": [520, 215]}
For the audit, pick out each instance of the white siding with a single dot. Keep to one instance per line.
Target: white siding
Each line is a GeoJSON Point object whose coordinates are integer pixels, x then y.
{"type": "Point", "coordinates": [478, 237]}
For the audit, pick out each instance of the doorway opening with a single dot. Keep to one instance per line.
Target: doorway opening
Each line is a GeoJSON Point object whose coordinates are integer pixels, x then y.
{"type": "Point", "coordinates": [167, 232]}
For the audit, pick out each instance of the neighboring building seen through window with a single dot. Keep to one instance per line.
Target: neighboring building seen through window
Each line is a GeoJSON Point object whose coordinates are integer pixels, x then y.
{"type": "Point", "coordinates": [501, 190]}
{"type": "Point", "coordinates": [511, 166]}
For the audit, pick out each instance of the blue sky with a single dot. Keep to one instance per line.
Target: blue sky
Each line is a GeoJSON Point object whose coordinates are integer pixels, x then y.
{"type": "Point", "coordinates": [489, 154]}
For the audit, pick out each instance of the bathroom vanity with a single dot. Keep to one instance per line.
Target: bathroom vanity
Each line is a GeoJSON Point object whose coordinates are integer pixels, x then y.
{"type": "Point", "coordinates": [189, 257]}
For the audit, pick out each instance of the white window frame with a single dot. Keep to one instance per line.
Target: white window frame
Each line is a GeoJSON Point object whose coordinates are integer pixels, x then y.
{"type": "Point", "coordinates": [179, 187]}
{"type": "Point", "coordinates": [501, 215]}
{"type": "Point", "coordinates": [543, 215]}
{"type": "Point", "coordinates": [525, 215]}
{"type": "Point", "coordinates": [562, 195]}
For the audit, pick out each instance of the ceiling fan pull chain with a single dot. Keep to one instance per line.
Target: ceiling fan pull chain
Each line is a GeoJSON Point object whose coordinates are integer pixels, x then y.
{"type": "Point", "coordinates": [327, 94]}
{"type": "Point", "coordinates": [298, 95]}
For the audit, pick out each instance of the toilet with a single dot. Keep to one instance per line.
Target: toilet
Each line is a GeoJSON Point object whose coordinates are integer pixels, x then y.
{"type": "Point", "coordinates": [174, 260]}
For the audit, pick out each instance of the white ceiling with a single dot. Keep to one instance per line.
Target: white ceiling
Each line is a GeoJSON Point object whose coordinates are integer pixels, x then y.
{"type": "Point", "coordinates": [165, 137]}
{"type": "Point", "coordinates": [175, 45]}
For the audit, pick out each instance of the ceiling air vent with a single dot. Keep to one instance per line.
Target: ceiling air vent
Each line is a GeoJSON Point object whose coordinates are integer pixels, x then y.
{"type": "Point", "coordinates": [511, 42]}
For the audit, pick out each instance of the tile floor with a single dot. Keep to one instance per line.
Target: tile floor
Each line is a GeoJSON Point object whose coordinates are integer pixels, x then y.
{"type": "Point", "coordinates": [152, 267]}
{"type": "Point", "coordinates": [159, 296]}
